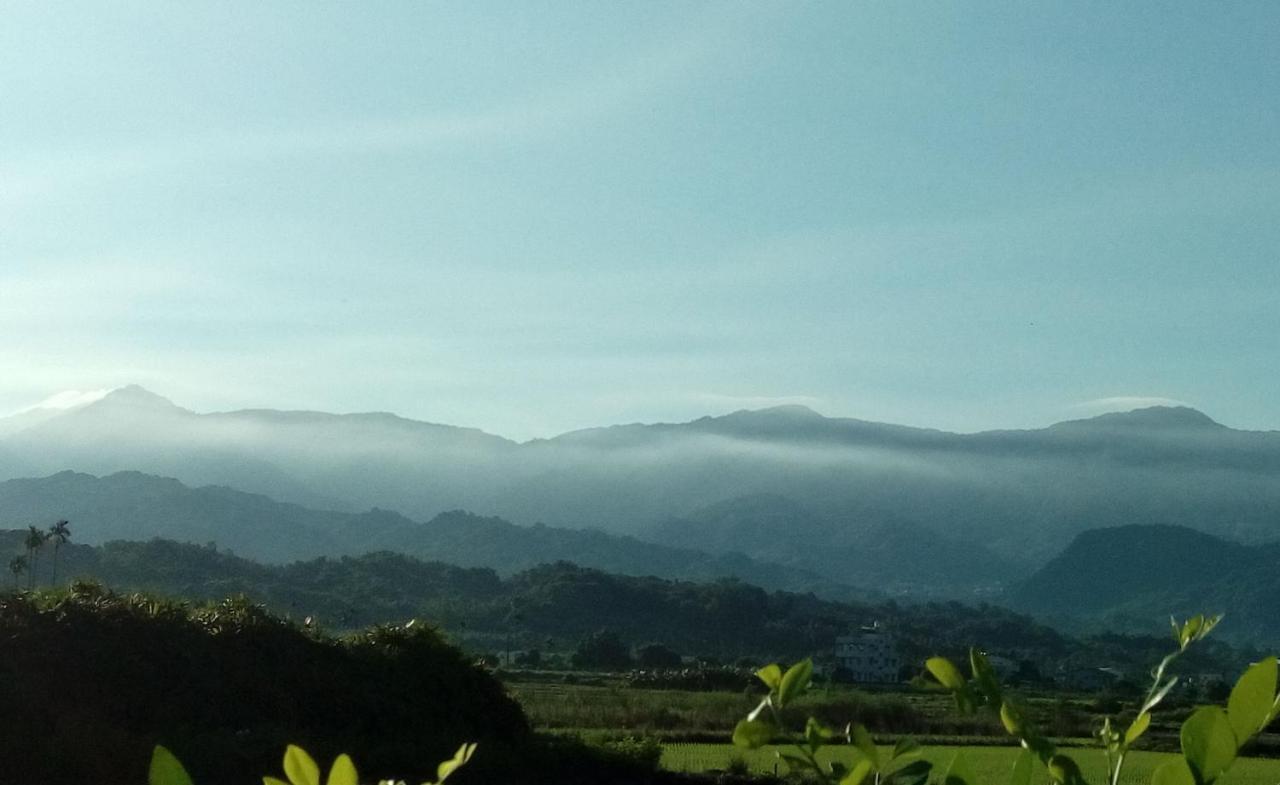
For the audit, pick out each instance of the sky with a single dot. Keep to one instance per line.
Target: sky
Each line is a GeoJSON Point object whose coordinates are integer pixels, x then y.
{"type": "Point", "coordinates": [533, 217]}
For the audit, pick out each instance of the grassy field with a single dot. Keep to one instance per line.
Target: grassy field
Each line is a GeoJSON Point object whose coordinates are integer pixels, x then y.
{"type": "Point", "coordinates": [681, 715]}
{"type": "Point", "coordinates": [675, 714]}
{"type": "Point", "coordinates": [989, 764]}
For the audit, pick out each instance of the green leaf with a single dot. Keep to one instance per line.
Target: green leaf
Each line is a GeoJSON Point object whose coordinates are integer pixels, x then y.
{"type": "Point", "coordinates": [816, 734]}
{"type": "Point", "coordinates": [1175, 772]}
{"type": "Point", "coordinates": [1139, 727]}
{"type": "Point", "coordinates": [914, 773]}
{"type": "Point", "coordinates": [1022, 766]}
{"type": "Point", "coordinates": [299, 767]}
{"type": "Point", "coordinates": [946, 673]}
{"type": "Point", "coordinates": [1189, 629]}
{"type": "Point", "coordinates": [1064, 769]}
{"type": "Point", "coordinates": [771, 675]}
{"type": "Point", "coordinates": [273, 781]}
{"type": "Point", "coordinates": [794, 682]}
{"type": "Point", "coordinates": [959, 773]}
{"type": "Point", "coordinates": [166, 769]}
{"type": "Point", "coordinates": [343, 772]}
{"type": "Point", "coordinates": [863, 741]}
{"type": "Point", "coordinates": [458, 760]}
{"type": "Point", "coordinates": [861, 768]}
{"type": "Point", "coordinates": [906, 747]}
{"type": "Point", "coordinates": [1195, 628]}
{"type": "Point", "coordinates": [1208, 743]}
{"type": "Point", "coordinates": [1011, 718]}
{"type": "Point", "coordinates": [985, 676]}
{"type": "Point", "coordinates": [1252, 698]}
{"type": "Point", "coordinates": [753, 734]}
{"type": "Point", "coordinates": [795, 761]}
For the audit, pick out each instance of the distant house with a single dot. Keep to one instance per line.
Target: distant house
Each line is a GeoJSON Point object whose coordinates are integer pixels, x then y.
{"type": "Point", "coordinates": [870, 655]}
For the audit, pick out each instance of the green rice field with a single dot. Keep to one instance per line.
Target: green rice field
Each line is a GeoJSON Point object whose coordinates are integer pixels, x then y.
{"type": "Point", "coordinates": [989, 764]}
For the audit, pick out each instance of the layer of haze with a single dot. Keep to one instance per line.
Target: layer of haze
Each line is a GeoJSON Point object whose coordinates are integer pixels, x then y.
{"type": "Point", "coordinates": [534, 217]}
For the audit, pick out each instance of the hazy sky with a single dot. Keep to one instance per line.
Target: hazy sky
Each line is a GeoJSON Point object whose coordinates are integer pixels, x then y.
{"type": "Point", "coordinates": [530, 217]}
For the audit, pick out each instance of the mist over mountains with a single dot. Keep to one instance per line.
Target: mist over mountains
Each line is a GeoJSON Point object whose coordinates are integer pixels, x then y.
{"type": "Point", "coordinates": [135, 506]}
{"type": "Point", "coordinates": [889, 505]}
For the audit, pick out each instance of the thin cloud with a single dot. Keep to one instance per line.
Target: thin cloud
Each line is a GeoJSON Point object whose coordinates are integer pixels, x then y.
{"type": "Point", "coordinates": [1125, 403]}
{"type": "Point", "coordinates": [543, 113]}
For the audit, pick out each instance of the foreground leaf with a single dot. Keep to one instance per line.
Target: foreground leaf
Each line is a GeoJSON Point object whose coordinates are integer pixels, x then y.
{"type": "Point", "coordinates": [959, 773]}
{"type": "Point", "coordinates": [343, 772]}
{"type": "Point", "coordinates": [166, 769]}
{"type": "Point", "coordinates": [914, 773]}
{"type": "Point", "coordinates": [860, 771]}
{"type": "Point", "coordinates": [458, 760]}
{"type": "Point", "coordinates": [771, 675]}
{"type": "Point", "coordinates": [1022, 767]}
{"type": "Point", "coordinates": [1175, 772]}
{"type": "Point", "coordinates": [1208, 743]}
{"type": "Point", "coordinates": [1139, 727]}
{"type": "Point", "coordinates": [1251, 700]}
{"type": "Point", "coordinates": [1064, 769]}
{"type": "Point", "coordinates": [906, 747]}
{"type": "Point", "coordinates": [753, 734]}
{"type": "Point", "coordinates": [866, 745]}
{"type": "Point", "coordinates": [794, 681]}
{"type": "Point", "coordinates": [299, 767]}
{"type": "Point", "coordinates": [947, 674]}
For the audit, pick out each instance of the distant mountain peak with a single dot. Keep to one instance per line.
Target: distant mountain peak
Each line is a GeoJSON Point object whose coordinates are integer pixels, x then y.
{"type": "Point", "coordinates": [137, 396]}
{"type": "Point", "coordinates": [786, 410]}
{"type": "Point", "coordinates": [1151, 417]}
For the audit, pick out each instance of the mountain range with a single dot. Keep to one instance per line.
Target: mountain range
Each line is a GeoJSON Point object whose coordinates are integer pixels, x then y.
{"type": "Point", "coordinates": [858, 503]}
{"type": "Point", "coordinates": [135, 506]}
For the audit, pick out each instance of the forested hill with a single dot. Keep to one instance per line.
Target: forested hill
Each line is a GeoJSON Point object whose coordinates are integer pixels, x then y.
{"type": "Point", "coordinates": [137, 506]}
{"type": "Point", "coordinates": [557, 605]}
{"type": "Point", "coordinates": [1135, 576]}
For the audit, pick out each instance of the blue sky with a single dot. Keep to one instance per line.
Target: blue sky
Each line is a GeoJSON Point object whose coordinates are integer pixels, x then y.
{"type": "Point", "coordinates": [539, 216]}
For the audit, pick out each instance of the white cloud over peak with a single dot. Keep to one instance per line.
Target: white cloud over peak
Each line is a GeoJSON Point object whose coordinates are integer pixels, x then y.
{"type": "Point", "coordinates": [1125, 403]}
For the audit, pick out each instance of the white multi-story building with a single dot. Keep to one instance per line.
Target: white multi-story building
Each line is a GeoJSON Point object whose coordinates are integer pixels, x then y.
{"type": "Point", "coordinates": [870, 655]}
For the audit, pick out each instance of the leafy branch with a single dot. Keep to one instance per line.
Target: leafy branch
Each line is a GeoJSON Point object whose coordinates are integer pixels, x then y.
{"type": "Point", "coordinates": [764, 725]}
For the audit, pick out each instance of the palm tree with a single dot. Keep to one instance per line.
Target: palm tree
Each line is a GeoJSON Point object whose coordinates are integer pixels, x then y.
{"type": "Point", "coordinates": [34, 542]}
{"type": "Point", "coordinates": [17, 566]}
{"type": "Point", "coordinates": [60, 533]}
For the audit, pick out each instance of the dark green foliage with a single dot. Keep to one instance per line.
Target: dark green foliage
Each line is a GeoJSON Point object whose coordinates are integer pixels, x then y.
{"type": "Point", "coordinates": [656, 655]}
{"type": "Point", "coordinates": [603, 649]}
{"type": "Point", "coordinates": [92, 680]}
{"type": "Point", "coordinates": [556, 605]}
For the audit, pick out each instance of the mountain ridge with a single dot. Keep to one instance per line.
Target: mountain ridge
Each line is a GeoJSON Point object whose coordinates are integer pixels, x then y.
{"type": "Point", "coordinates": [1012, 498]}
{"type": "Point", "coordinates": [137, 506]}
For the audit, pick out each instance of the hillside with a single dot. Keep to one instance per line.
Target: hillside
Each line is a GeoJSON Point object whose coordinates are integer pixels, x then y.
{"type": "Point", "coordinates": [1005, 500]}
{"type": "Point", "coordinates": [136, 506]}
{"type": "Point", "coordinates": [1139, 575]}
{"type": "Point", "coordinates": [561, 600]}
{"type": "Point", "coordinates": [899, 558]}
{"type": "Point", "coordinates": [556, 605]}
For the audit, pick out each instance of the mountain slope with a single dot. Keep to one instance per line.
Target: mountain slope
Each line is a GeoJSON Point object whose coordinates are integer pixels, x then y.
{"type": "Point", "coordinates": [562, 600]}
{"type": "Point", "coordinates": [898, 557]}
{"type": "Point", "coordinates": [136, 506]}
{"type": "Point", "coordinates": [1143, 574]}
